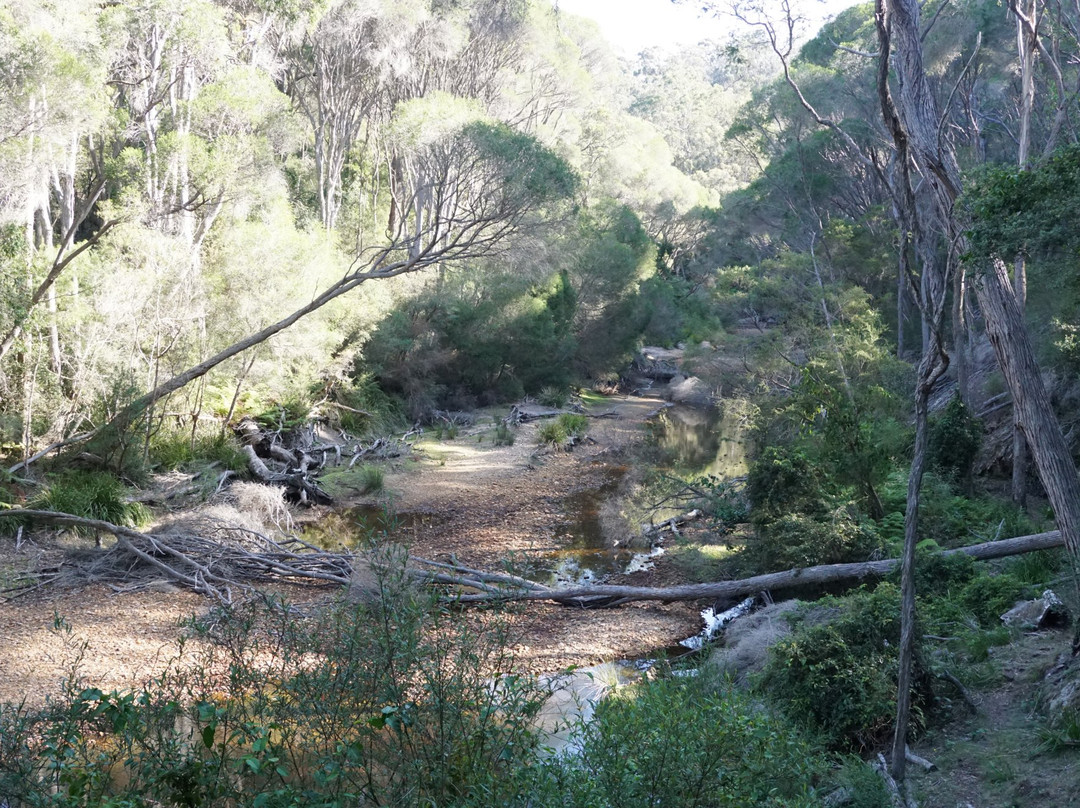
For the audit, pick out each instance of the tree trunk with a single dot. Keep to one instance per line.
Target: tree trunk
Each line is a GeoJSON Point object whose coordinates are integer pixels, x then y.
{"type": "Point", "coordinates": [932, 366]}
{"type": "Point", "coordinates": [1031, 403]}
{"type": "Point", "coordinates": [1026, 47]}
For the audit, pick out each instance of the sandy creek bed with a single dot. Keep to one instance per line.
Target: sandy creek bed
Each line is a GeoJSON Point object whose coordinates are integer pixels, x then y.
{"type": "Point", "coordinates": [475, 501]}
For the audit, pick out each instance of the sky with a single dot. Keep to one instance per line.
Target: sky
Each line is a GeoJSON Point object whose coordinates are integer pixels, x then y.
{"type": "Point", "coordinates": [632, 25]}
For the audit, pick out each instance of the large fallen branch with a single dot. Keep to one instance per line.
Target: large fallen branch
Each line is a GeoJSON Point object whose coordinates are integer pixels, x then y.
{"type": "Point", "coordinates": [239, 558]}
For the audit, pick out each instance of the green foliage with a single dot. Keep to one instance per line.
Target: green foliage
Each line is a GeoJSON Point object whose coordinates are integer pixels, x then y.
{"type": "Point", "coordinates": [389, 701]}
{"type": "Point", "coordinates": [1059, 733]}
{"type": "Point", "coordinates": [796, 540]}
{"type": "Point", "coordinates": [947, 518]}
{"type": "Point", "coordinates": [91, 495]}
{"type": "Point", "coordinates": [689, 742]}
{"type": "Point", "coordinates": [470, 342]}
{"type": "Point", "coordinates": [178, 449]}
{"type": "Point", "coordinates": [504, 434]}
{"type": "Point", "coordinates": [285, 415]}
{"type": "Point", "coordinates": [364, 408]}
{"type": "Point", "coordinates": [576, 425]}
{"type": "Point", "coordinates": [386, 702]}
{"type": "Point", "coordinates": [955, 439]}
{"type": "Point", "coordinates": [551, 433]}
{"type": "Point", "coordinates": [553, 397]}
{"type": "Point", "coordinates": [564, 431]}
{"type": "Point", "coordinates": [723, 501]}
{"type": "Point", "coordinates": [1030, 211]}
{"type": "Point", "coordinates": [523, 166]}
{"type": "Point", "coordinates": [839, 672]}
{"type": "Point", "coordinates": [783, 481]}
{"type": "Point", "coordinates": [371, 479]}
{"type": "Point", "coordinates": [990, 596]}
{"type": "Point", "coordinates": [866, 786]}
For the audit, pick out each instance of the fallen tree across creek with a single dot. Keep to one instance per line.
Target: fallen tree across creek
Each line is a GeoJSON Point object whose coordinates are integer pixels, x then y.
{"type": "Point", "coordinates": [217, 567]}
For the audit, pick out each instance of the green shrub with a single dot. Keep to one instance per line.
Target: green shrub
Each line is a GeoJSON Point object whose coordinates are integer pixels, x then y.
{"type": "Point", "coordinates": [866, 787]}
{"type": "Point", "coordinates": [955, 439]}
{"type": "Point", "coordinates": [371, 479]}
{"type": "Point", "coordinates": [783, 481]}
{"type": "Point", "coordinates": [840, 675]}
{"type": "Point", "coordinates": [385, 702]}
{"type": "Point", "coordinates": [553, 397]}
{"type": "Point", "coordinates": [687, 743]}
{"type": "Point", "coordinates": [565, 430]}
{"type": "Point", "coordinates": [990, 596]}
{"type": "Point", "coordinates": [551, 433]}
{"type": "Point", "coordinates": [504, 435]}
{"type": "Point", "coordinates": [575, 426]}
{"type": "Point", "coordinates": [795, 540]}
{"type": "Point", "coordinates": [949, 519]}
{"type": "Point", "coordinates": [91, 495]}
{"type": "Point", "coordinates": [175, 449]}
{"type": "Point", "coordinates": [364, 408]}
{"type": "Point", "coordinates": [723, 501]}
{"type": "Point", "coordinates": [284, 415]}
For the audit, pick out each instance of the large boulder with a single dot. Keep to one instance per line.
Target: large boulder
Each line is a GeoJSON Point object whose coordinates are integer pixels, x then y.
{"type": "Point", "coordinates": [1031, 615]}
{"type": "Point", "coordinates": [691, 391]}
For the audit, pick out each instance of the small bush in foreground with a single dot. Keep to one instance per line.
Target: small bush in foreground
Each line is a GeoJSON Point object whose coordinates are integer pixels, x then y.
{"type": "Point", "coordinates": [691, 742]}
{"type": "Point", "coordinates": [840, 675]}
{"type": "Point", "coordinates": [372, 479]}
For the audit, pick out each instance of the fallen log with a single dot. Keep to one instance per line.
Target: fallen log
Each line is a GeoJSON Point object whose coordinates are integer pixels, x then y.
{"type": "Point", "coordinates": [773, 581]}
{"type": "Point", "coordinates": [212, 567]}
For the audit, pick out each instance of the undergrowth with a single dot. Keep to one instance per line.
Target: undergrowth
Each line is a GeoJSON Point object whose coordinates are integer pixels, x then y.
{"type": "Point", "coordinates": [90, 495]}
{"type": "Point", "coordinates": [396, 701]}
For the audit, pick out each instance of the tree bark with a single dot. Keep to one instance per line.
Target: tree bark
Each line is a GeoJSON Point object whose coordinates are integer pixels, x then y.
{"type": "Point", "coordinates": [1031, 403]}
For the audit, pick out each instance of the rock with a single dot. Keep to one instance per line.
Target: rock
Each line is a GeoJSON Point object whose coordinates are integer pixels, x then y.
{"type": "Point", "coordinates": [691, 391]}
{"type": "Point", "coordinates": [1031, 615]}
{"type": "Point", "coordinates": [747, 641]}
{"type": "Point", "coordinates": [659, 364]}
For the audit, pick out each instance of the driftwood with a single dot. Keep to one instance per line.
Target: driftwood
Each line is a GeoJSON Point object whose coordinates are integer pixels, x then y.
{"type": "Point", "coordinates": [297, 479]}
{"type": "Point", "coordinates": [214, 567]}
{"type": "Point", "coordinates": [673, 524]}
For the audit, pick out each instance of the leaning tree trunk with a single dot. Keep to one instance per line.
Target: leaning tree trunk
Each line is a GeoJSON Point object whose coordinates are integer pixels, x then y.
{"type": "Point", "coordinates": [1026, 46]}
{"type": "Point", "coordinates": [1031, 403]}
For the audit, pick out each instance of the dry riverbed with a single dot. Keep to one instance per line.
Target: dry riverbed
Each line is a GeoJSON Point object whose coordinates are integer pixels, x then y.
{"type": "Point", "coordinates": [463, 498]}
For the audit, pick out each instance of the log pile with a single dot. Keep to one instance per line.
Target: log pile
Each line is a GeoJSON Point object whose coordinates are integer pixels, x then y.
{"type": "Point", "coordinates": [293, 459]}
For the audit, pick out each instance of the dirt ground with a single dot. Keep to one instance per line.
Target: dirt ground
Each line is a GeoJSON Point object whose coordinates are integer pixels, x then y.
{"type": "Point", "coordinates": [465, 498]}
{"type": "Point", "coordinates": [995, 757]}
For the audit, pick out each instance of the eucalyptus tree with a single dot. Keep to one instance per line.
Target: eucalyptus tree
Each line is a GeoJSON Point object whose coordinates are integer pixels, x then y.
{"type": "Point", "coordinates": [473, 189]}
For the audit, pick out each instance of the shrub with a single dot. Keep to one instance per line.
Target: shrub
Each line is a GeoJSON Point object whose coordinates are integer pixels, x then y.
{"type": "Point", "coordinates": [176, 449]}
{"type": "Point", "coordinates": [371, 479]}
{"type": "Point", "coordinates": [565, 430]}
{"type": "Point", "coordinates": [795, 540]}
{"type": "Point", "coordinates": [783, 482]}
{"type": "Point", "coordinates": [504, 435]}
{"type": "Point", "coordinates": [840, 675]}
{"type": "Point", "coordinates": [689, 742]}
{"type": "Point", "coordinates": [91, 495]}
{"type": "Point", "coordinates": [955, 439]}
{"type": "Point", "coordinates": [552, 433]}
{"type": "Point", "coordinates": [388, 702]}
{"type": "Point", "coordinates": [575, 426]}
{"type": "Point", "coordinates": [723, 501]}
{"type": "Point", "coordinates": [553, 397]}
{"type": "Point", "coordinates": [989, 596]}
